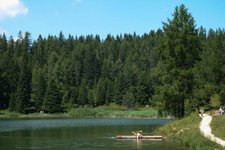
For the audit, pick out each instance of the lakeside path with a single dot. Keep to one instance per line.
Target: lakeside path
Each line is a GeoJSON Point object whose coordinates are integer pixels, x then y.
{"type": "Point", "coordinates": [207, 131]}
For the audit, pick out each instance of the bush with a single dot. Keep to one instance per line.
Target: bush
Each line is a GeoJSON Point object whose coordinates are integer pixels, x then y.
{"type": "Point", "coordinates": [215, 100]}
{"type": "Point", "coordinates": [82, 112]}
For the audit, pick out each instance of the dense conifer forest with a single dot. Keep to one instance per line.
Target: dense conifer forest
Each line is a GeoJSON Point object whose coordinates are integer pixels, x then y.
{"type": "Point", "coordinates": [176, 69]}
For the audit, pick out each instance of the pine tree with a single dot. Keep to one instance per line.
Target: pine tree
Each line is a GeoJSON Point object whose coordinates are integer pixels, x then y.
{"type": "Point", "coordinates": [3, 43]}
{"type": "Point", "coordinates": [129, 99]}
{"type": "Point", "coordinates": [210, 72]}
{"type": "Point", "coordinates": [181, 52]}
{"type": "Point", "coordinates": [38, 87]}
{"type": "Point", "coordinates": [13, 74]}
{"type": "Point", "coordinates": [100, 92]}
{"type": "Point", "coordinates": [24, 84]}
{"type": "Point", "coordinates": [4, 64]}
{"type": "Point", "coordinates": [53, 98]}
{"type": "Point", "coordinates": [83, 93]}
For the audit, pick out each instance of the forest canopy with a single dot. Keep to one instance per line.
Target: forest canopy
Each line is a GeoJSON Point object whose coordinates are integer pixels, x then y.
{"type": "Point", "coordinates": [176, 69]}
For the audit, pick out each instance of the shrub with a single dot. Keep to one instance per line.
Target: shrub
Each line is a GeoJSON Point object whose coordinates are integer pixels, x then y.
{"type": "Point", "coordinates": [215, 100]}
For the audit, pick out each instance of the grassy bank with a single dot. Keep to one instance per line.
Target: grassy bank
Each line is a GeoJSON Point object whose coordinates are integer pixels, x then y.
{"type": "Point", "coordinates": [218, 126]}
{"type": "Point", "coordinates": [186, 131]}
{"type": "Point", "coordinates": [113, 111]}
{"type": "Point", "coordinates": [6, 114]}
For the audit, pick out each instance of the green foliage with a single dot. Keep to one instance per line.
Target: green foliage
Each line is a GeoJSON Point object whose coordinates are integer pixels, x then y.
{"type": "Point", "coordinates": [103, 91]}
{"type": "Point", "coordinates": [215, 100]}
{"type": "Point", "coordinates": [113, 106]}
{"type": "Point", "coordinates": [83, 93]}
{"type": "Point", "coordinates": [23, 90]}
{"type": "Point", "coordinates": [176, 70]}
{"type": "Point", "coordinates": [129, 99]}
{"type": "Point", "coordinates": [82, 112]}
{"type": "Point", "coordinates": [38, 88]}
{"type": "Point", "coordinates": [113, 110]}
{"type": "Point", "coordinates": [53, 100]}
{"type": "Point", "coordinates": [5, 114]}
{"type": "Point", "coordinates": [181, 50]}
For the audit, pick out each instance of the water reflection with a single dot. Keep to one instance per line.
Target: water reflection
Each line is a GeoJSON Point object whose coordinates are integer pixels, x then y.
{"type": "Point", "coordinates": [138, 144]}
{"type": "Point", "coordinates": [76, 137]}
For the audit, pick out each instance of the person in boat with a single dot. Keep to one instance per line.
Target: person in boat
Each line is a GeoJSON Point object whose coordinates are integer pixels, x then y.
{"type": "Point", "coordinates": [138, 134]}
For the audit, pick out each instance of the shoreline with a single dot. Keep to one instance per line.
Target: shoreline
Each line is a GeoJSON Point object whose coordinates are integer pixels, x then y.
{"type": "Point", "coordinates": [71, 115]}
{"type": "Point", "coordinates": [62, 116]}
{"type": "Point", "coordinates": [186, 131]}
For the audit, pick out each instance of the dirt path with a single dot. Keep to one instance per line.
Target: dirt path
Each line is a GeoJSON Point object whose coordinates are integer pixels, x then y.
{"type": "Point", "coordinates": [206, 130]}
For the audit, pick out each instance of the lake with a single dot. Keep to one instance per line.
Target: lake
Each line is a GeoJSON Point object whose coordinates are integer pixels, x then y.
{"type": "Point", "coordinates": [79, 134]}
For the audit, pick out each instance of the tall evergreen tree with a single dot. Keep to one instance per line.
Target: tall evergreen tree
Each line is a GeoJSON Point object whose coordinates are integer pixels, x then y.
{"type": "Point", "coordinates": [83, 93]}
{"type": "Point", "coordinates": [13, 74]}
{"type": "Point", "coordinates": [182, 48]}
{"type": "Point", "coordinates": [24, 84]}
{"type": "Point", "coordinates": [38, 87]}
{"type": "Point", "coordinates": [4, 69]}
{"type": "Point", "coordinates": [53, 98]}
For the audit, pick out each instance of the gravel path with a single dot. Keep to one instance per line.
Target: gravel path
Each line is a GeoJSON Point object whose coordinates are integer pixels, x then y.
{"type": "Point", "coordinates": [206, 130]}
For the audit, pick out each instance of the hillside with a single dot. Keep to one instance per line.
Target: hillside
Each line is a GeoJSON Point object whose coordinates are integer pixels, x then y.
{"type": "Point", "coordinates": [186, 131]}
{"type": "Point", "coordinates": [218, 126]}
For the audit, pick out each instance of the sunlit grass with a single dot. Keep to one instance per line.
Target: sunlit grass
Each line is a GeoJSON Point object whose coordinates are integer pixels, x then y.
{"type": "Point", "coordinates": [111, 110]}
{"type": "Point", "coordinates": [114, 111]}
{"type": "Point", "coordinates": [186, 131]}
{"type": "Point", "coordinates": [218, 126]}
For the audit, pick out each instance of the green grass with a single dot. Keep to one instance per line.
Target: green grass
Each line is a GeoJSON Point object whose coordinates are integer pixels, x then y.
{"type": "Point", "coordinates": [82, 112]}
{"type": "Point", "coordinates": [186, 131]}
{"type": "Point", "coordinates": [112, 110]}
{"type": "Point", "coordinates": [6, 114]}
{"type": "Point", "coordinates": [218, 126]}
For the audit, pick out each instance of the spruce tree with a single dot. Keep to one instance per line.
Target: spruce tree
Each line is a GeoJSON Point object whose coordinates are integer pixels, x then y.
{"type": "Point", "coordinates": [83, 93]}
{"type": "Point", "coordinates": [180, 53]}
{"type": "Point", "coordinates": [38, 87]}
{"type": "Point", "coordinates": [24, 84]}
{"type": "Point", "coordinates": [4, 68]}
{"type": "Point", "coordinates": [53, 98]}
{"type": "Point", "coordinates": [13, 74]}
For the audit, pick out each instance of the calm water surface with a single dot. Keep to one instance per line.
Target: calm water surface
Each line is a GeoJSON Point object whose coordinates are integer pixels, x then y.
{"type": "Point", "coordinates": [79, 134]}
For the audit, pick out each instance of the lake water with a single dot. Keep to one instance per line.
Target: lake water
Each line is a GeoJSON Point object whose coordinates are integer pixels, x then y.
{"type": "Point", "coordinates": [79, 134]}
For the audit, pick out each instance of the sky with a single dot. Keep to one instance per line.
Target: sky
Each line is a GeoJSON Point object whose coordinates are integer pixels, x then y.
{"type": "Point", "coordinates": [102, 17]}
